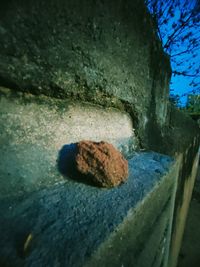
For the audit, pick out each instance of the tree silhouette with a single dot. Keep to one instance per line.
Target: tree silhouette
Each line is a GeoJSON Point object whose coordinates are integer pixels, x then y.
{"type": "Point", "coordinates": [178, 28]}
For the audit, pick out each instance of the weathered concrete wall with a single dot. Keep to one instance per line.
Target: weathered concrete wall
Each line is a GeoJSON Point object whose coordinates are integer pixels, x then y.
{"type": "Point", "coordinates": [104, 52]}
{"type": "Point", "coordinates": [36, 198]}
{"type": "Point", "coordinates": [144, 237]}
{"type": "Point", "coordinates": [94, 66]}
{"type": "Point", "coordinates": [183, 197]}
{"type": "Point", "coordinates": [72, 223]}
{"type": "Point", "coordinates": [186, 133]}
{"type": "Point", "coordinates": [34, 130]}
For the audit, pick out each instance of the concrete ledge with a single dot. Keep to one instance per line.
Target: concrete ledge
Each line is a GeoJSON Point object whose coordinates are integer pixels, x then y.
{"type": "Point", "coordinates": [69, 221]}
{"type": "Point", "coordinates": [182, 203]}
{"type": "Point", "coordinates": [143, 239]}
{"type": "Point", "coordinates": [34, 130]}
{"type": "Point", "coordinates": [49, 220]}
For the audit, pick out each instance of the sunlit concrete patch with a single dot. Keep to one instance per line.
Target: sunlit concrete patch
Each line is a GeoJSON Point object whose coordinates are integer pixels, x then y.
{"type": "Point", "coordinates": [34, 130]}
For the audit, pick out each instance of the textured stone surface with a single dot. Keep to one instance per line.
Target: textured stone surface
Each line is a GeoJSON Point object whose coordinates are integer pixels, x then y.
{"type": "Point", "coordinates": [103, 52]}
{"type": "Point", "coordinates": [102, 162]}
{"type": "Point", "coordinates": [36, 133]}
{"type": "Point", "coordinates": [68, 221]}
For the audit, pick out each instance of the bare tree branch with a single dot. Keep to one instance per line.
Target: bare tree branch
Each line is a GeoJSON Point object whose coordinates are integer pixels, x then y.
{"type": "Point", "coordinates": [177, 26]}
{"type": "Point", "coordinates": [184, 74]}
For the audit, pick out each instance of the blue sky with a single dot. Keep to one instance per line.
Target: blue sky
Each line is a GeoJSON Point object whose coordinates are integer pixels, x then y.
{"type": "Point", "coordinates": [180, 84]}
{"type": "Point", "coordinates": [180, 87]}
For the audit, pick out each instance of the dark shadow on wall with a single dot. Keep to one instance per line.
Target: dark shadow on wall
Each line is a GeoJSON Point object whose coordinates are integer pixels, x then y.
{"type": "Point", "coordinates": [66, 164]}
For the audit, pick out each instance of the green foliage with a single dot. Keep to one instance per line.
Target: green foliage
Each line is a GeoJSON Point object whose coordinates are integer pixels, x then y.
{"type": "Point", "coordinates": [175, 100]}
{"type": "Point", "coordinates": [193, 104]}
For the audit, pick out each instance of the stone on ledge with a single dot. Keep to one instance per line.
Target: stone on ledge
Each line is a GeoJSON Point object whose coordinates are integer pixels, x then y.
{"type": "Point", "coordinates": [102, 162]}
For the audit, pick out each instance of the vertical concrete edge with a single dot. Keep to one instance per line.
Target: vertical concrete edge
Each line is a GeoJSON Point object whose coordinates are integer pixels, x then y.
{"type": "Point", "coordinates": [130, 244]}
{"type": "Point", "coordinates": [179, 220]}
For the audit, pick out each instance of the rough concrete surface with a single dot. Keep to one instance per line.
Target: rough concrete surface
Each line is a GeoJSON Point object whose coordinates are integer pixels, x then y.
{"type": "Point", "coordinates": [189, 254]}
{"type": "Point", "coordinates": [105, 56]}
{"type": "Point", "coordinates": [46, 218]}
{"type": "Point", "coordinates": [36, 135]}
{"type": "Point", "coordinates": [182, 202]}
{"type": "Point", "coordinates": [143, 239]}
{"type": "Point", "coordinates": [103, 52]}
{"type": "Point", "coordinates": [38, 198]}
{"type": "Point", "coordinates": [69, 220]}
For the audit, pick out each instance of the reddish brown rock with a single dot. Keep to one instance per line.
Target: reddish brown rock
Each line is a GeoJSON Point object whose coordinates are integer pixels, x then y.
{"type": "Point", "coordinates": [102, 162]}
